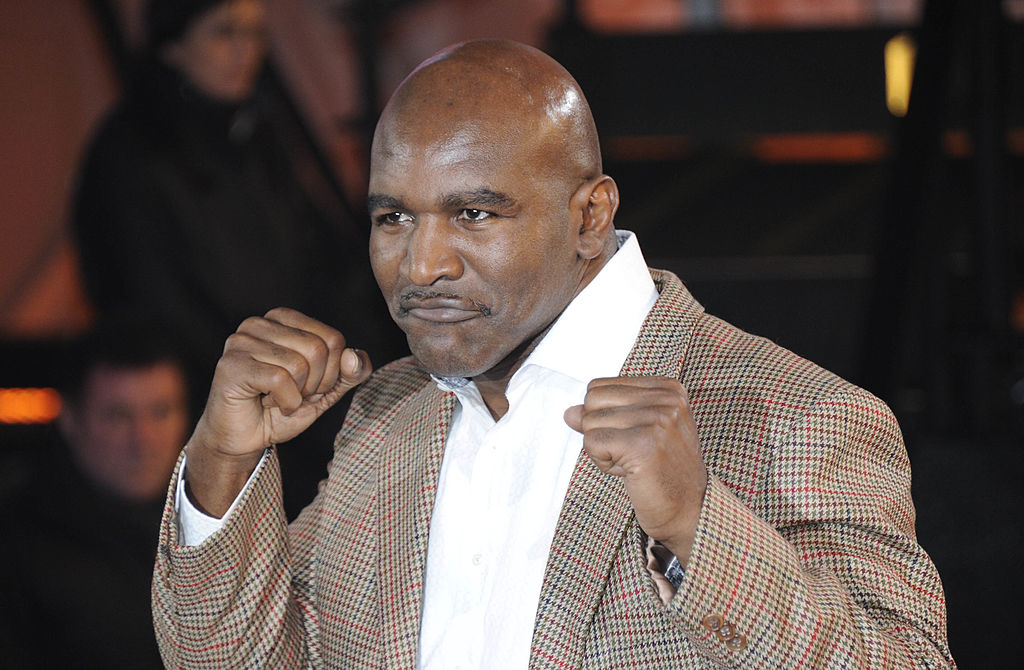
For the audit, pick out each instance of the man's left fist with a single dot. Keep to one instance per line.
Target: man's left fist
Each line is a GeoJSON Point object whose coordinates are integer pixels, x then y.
{"type": "Point", "coordinates": [642, 429]}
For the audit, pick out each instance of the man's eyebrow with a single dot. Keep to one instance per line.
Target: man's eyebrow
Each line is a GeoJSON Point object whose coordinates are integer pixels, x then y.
{"type": "Point", "coordinates": [477, 198]}
{"type": "Point", "coordinates": [377, 201]}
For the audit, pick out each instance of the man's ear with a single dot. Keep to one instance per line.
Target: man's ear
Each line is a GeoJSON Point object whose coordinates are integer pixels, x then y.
{"type": "Point", "coordinates": [596, 200]}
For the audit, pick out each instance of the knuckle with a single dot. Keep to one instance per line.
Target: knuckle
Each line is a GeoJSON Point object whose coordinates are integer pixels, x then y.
{"type": "Point", "coordinates": [250, 323]}
{"type": "Point", "coordinates": [334, 340]}
{"type": "Point", "coordinates": [671, 415]}
{"type": "Point", "coordinates": [278, 376]}
{"type": "Point", "coordinates": [227, 363]}
{"type": "Point", "coordinates": [318, 349]}
{"type": "Point", "coordinates": [234, 342]}
{"type": "Point", "coordinates": [296, 365]}
{"type": "Point", "coordinates": [237, 347]}
{"type": "Point", "coordinates": [277, 312]}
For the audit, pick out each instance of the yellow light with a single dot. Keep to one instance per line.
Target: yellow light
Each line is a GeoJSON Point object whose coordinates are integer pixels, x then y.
{"type": "Point", "coordinates": [29, 405]}
{"type": "Point", "coordinates": [900, 52]}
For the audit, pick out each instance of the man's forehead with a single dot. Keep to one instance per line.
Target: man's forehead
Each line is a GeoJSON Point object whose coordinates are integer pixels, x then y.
{"type": "Point", "coordinates": [423, 131]}
{"type": "Point", "coordinates": [467, 156]}
{"type": "Point", "coordinates": [146, 379]}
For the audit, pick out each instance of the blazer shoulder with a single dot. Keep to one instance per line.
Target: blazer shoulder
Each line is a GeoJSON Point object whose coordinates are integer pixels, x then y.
{"type": "Point", "coordinates": [717, 359]}
{"type": "Point", "coordinates": [737, 355]}
{"type": "Point", "coordinates": [747, 390]}
{"type": "Point", "coordinates": [721, 363]}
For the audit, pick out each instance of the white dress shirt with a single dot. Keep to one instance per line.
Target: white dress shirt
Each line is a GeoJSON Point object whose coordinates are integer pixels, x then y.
{"type": "Point", "coordinates": [502, 483]}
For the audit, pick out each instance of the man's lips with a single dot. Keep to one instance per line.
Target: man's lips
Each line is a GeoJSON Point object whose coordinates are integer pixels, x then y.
{"type": "Point", "coordinates": [440, 308]}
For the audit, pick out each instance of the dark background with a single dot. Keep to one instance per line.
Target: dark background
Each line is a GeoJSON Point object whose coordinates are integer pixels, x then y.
{"type": "Point", "coordinates": [762, 167]}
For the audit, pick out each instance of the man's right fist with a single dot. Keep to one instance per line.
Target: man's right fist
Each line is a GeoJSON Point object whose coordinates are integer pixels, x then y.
{"type": "Point", "coordinates": [277, 375]}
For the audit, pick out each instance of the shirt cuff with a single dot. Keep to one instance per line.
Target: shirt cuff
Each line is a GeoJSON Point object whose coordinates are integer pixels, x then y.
{"type": "Point", "coordinates": [195, 526]}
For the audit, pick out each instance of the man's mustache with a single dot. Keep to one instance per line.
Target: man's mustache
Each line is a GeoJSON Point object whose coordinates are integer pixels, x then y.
{"type": "Point", "coordinates": [432, 298]}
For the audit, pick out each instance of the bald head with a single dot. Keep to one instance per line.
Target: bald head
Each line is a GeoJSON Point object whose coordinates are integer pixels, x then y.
{"type": "Point", "coordinates": [490, 212]}
{"type": "Point", "coordinates": [517, 95]}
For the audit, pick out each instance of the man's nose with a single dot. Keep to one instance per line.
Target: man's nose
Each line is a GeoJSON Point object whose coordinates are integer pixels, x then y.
{"type": "Point", "coordinates": [431, 255]}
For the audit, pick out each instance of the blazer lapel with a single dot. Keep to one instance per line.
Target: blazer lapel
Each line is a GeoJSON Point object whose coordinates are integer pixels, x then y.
{"type": "Point", "coordinates": [409, 469]}
{"type": "Point", "coordinates": [596, 517]}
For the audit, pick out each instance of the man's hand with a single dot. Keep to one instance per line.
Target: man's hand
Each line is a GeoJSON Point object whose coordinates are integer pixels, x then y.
{"type": "Point", "coordinates": [277, 374]}
{"type": "Point", "coordinates": [641, 429]}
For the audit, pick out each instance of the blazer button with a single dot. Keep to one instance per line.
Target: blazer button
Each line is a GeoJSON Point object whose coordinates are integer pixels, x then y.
{"type": "Point", "coordinates": [713, 622]}
{"type": "Point", "coordinates": [736, 642]}
{"type": "Point", "coordinates": [726, 631]}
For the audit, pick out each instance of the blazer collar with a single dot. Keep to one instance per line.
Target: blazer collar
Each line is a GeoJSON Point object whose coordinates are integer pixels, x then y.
{"type": "Point", "coordinates": [409, 469]}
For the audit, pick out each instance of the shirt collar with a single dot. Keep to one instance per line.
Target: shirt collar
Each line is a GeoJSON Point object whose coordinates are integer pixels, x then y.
{"type": "Point", "coordinates": [596, 331]}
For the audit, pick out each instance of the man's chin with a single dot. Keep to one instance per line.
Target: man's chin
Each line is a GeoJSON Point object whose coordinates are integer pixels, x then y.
{"type": "Point", "coordinates": [445, 370]}
{"type": "Point", "coordinates": [446, 362]}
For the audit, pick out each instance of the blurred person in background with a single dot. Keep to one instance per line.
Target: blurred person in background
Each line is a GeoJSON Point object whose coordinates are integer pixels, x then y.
{"type": "Point", "coordinates": [199, 202]}
{"type": "Point", "coordinates": [196, 201]}
{"type": "Point", "coordinates": [79, 537]}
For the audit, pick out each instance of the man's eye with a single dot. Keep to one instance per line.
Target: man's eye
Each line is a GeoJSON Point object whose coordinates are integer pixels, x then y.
{"type": "Point", "coordinates": [392, 218]}
{"type": "Point", "coordinates": [474, 215]}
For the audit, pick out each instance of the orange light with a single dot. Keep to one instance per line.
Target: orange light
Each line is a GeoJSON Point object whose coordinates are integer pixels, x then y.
{"type": "Point", "coordinates": [957, 143]}
{"type": "Point", "coordinates": [820, 148]}
{"type": "Point", "coordinates": [29, 405]}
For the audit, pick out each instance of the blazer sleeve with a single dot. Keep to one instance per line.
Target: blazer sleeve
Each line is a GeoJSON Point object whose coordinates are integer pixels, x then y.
{"type": "Point", "coordinates": [242, 598]}
{"type": "Point", "coordinates": [816, 564]}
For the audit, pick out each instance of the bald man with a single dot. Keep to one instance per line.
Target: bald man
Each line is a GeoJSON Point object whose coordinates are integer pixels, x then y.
{"type": "Point", "coordinates": [577, 467]}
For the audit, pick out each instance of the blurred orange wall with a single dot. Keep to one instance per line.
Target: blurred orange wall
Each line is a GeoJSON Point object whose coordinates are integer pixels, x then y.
{"type": "Point", "coordinates": [55, 84]}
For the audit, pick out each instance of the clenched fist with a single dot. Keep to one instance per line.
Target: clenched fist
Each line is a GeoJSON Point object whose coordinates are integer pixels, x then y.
{"type": "Point", "coordinates": [642, 430]}
{"type": "Point", "coordinates": [277, 375]}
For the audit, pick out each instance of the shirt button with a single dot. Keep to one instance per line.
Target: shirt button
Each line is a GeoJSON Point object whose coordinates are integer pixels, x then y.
{"type": "Point", "coordinates": [477, 558]}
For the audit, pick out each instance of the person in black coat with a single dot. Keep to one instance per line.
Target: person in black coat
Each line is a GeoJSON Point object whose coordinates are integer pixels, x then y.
{"type": "Point", "coordinates": [190, 205]}
{"type": "Point", "coordinates": [199, 203]}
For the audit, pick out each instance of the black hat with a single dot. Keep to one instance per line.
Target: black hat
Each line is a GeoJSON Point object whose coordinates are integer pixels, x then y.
{"type": "Point", "coordinates": [168, 20]}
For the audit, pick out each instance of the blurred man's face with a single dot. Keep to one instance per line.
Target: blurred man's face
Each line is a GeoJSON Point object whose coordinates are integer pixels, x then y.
{"type": "Point", "coordinates": [130, 426]}
{"type": "Point", "coordinates": [222, 51]}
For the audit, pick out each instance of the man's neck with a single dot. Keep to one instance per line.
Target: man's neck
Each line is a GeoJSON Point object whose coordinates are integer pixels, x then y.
{"type": "Point", "coordinates": [493, 394]}
{"type": "Point", "coordinates": [493, 384]}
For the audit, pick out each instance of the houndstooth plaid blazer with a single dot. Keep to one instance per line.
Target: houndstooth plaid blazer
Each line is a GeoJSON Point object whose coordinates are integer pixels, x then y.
{"type": "Point", "coordinates": [805, 554]}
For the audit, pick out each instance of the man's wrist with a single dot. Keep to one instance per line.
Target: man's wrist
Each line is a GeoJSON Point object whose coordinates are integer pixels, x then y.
{"type": "Point", "coordinates": [213, 480]}
{"type": "Point", "coordinates": [681, 542]}
{"type": "Point", "coordinates": [194, 526]}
